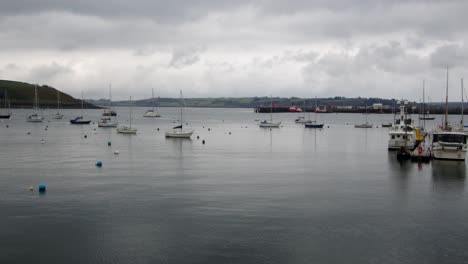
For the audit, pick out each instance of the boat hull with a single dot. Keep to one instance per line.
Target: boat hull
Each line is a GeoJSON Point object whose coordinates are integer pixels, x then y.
{"type": "Point", "coordinates": [363, 126]}
{"type": "Point", "coordinates": [178, 133]}
{"type": "Point", "coordinates": [313, 125]}
{"type": "Point", "coordinates": [83, 122]}
{"type": "Point", "coordinates": [101, 124]}
{"type": "Point", "coordinates": [151, 115]}
{"type": "Point", "coordinates": [270, 125]}
{"type": "Point", "coordinates": [132, 131]}
{"type": "Point", "coordinates": [7, 116]}
{"type": "Point", "coordinates": [448, 154]}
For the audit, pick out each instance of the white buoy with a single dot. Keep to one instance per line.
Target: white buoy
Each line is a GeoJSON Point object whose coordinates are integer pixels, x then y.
{"type": "Point", "coordinates": [42, 141]}
{"type": "Point", "coordinates": [31, 188]}
{"type": "Point", "coordinates": [116, 152]}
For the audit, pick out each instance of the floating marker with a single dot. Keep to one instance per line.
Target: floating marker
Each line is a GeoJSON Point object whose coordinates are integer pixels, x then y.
{"type": "Point", "coordinates": [157, 129]}
{"type": "Point", "coordinates": [99, 163]}
{"type": "Point", "coordinates": [7, 126]}
{"type": "Point", "coordinates": [42, 187]}
{"type": "Point", "coordinates": [198, 137]}
{"type": "Point", "coordinates": [109, 143]}
{"type": "Point", "coordinates": [42, 141]}
{"type": "Point", "coordinates": [203, 142]}
{"type": "Point", "coordinates": [85, 136]}
{"type": "Point", "coordinates": [29, 133]}
{"type": "Point", "coordinates": [229, 133]}
{"type": "Point", "coordinates": [209, 129]}
{"type": "Point", "coordinates": [31, 188]}
{"type": "Point", "coordinates": [116, 152]}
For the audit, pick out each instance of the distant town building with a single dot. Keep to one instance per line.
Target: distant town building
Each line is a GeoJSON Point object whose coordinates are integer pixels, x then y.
{"type": "Point", "coordinates": [377, 106]}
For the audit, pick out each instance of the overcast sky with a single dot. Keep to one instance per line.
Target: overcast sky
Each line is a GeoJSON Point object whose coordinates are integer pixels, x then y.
{"type": "Point", "coordinates": [214, 48]}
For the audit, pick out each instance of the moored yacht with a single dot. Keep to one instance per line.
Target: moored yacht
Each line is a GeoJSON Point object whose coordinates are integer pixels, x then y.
{"type": "Point", "coordinates": [449, 143]}
{"type": "Point", "coordinates": [403, 133]}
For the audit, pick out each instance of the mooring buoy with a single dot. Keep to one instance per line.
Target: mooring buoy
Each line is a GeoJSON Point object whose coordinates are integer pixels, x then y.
{"type": "Point", "coordinates": [99, 163]}
{"type": "Point", "coordinates": [42, 187]}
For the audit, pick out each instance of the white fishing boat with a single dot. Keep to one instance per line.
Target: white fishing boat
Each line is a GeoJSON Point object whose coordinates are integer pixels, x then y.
{"type": "Point", "coordinates": [106, 119]}
{"type": "Point", "coordinates": [366, 124]}
{"type": "Point", "coordinates": [152, 112]}
{"type": "Point", "coordinates": [58, 115]}
{"type": "Point", "coordinates": [36, 117]}
{"type": "Point", "coordinates": [403, 133]}
{"type": "Point", "coordinates": [179, 131]}
{"type": "Point", "coordinates": [449, 143]}
{"type": "Point", "coordinates": [270, 124]}
{"type": "Point", "coordinates": [128, 129]}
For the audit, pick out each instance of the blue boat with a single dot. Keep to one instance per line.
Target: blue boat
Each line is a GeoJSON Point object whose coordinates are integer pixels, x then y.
{"type": "Point", "coordinates": [79, 121]}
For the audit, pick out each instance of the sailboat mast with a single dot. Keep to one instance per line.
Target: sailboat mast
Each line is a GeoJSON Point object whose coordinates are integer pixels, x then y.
{"type": "Point", "coordinates": [424, 105]}
{"type": "Point", "coordinates": [35, 98]}
{"type": "Point", "coordinates": [82, 98]}
{"type": "Point", "coordinates": [110, 96]}
{"type": "Point", "coordinates": [152, 98]}
{"type": "Point", "coordinates": [271, 109]}
{"type": "Point", "coordinates": [130, 112]}
{"type": "Point", "coordinates": [446, 102]}
{"type": "Point", "coordinates": [315, 115]}
{"type": "Point", "coordinates": [462, 107]}
{"type": "Point", "coordinates": [181, 105]}
{"type": "Point", "coordinates": [58, 100]}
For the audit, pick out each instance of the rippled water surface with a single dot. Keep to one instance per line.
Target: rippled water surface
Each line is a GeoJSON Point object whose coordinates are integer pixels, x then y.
{"type": "Point", "coordinates": [249, 195]}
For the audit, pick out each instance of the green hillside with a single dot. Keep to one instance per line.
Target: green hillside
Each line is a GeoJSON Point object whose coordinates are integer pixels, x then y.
{"type": "Point", "coordinates": [21, 95]}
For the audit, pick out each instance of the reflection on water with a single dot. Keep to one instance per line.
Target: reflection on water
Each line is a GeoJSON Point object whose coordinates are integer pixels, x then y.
{"type": "Point", "coordinates": [448, 175]}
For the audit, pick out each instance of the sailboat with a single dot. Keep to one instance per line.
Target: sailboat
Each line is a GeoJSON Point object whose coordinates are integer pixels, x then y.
{"type": "Point", "coordinates": [58, 115]}
{"type": "Point", "coordinates": [106, 120]}
{"type": "Point", "coordinates": [179, 131]}
{"type": "Point", "coordinates": [128, 129]}
{"type": "Point", "coordinates": [6, 106]}
{"type": "Point", "coordinates": [449, 143]}
{"type": "Point", "coordinates": [35, 117]}
{"type": "Point", "coordinates": [365, 125]}
{"type": "Point", "coordinates": [301, 119]}
{"type": "Point", "coordinates": [424, 116]}
{"type": "Point", "coordinates": [314, 124]}
{"type": "Point", "coordinates": [109, 111]}
{"type": "Point", "coordinates": [151, 112]}
{"type": "Point", "coordinates": [79, 120]}
{"type": "Point", "coordinates": [270, 124]}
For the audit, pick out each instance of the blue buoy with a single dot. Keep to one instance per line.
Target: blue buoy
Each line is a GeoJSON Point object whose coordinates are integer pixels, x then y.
{"type": "Point", "coordinates": [42, 187]}
{"type": "Point", "coordinates": [99, 163]}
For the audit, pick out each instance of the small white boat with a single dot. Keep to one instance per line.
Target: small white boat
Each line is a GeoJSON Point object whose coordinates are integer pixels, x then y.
{"type": "Point", "coordinates": [35, 117]}
{"type": "Point", "coordinates": [151, 112]}
{"type": "Point", "coordinates": [302, 120]}
{"type": "Point", "coordinates": [179, 131]}
{"type": "Point", "coordinates": [128, 129]}
{"type": "Point", "coordinates": [58, 115]}
{"type": "Point", "coordinates": [106, 119]}
{"type": "Point", "coordinates": [104, 122]}
{"type": "Point", "coordinates": [270, 124]}
{"type": "Point", "coordinates": [267, 124]}
{"type": "Point", "coordinates": [366, 124]}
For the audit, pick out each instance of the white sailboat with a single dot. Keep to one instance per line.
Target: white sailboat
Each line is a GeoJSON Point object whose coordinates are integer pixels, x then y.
{"type": "Point", "coordinates": [6, 113]}
{"type": "Point", "coordinates": [106, 120]}
{"type": "Point", "coordinates": [128, 129]}
{"type": "Point", "coordinates": [366, 124]}
{"type": "Point", "coordinates": [36, 117]}
{"type": "Point", "coordinates": [58, 115]}
{"type": "Point", "coordinates": [152, 112]}
{"type": "Point", "coordinates": [270, 124]}
{"type": "Point", "coordinates": [449, 143]}
{"type": "Point", "coordinates": [179, 131]}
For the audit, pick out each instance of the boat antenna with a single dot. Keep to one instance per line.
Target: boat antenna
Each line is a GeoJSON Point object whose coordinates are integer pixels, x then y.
{"type": "Point", "coordinates": [424, 105]}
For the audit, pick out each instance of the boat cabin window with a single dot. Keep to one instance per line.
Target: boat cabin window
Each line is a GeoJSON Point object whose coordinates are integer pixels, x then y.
{"type": "Point", "coordinates": [393, 136]}
{"type": "Point", "coordinates": [454, 138]}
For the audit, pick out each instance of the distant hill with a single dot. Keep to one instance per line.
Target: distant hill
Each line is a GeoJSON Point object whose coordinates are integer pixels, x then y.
{"type": "Point", "coordinates": [21, 95]}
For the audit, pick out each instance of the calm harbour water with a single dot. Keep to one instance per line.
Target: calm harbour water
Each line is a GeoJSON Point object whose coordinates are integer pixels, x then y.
{"type": "Point", "coordinates": [287, 195]}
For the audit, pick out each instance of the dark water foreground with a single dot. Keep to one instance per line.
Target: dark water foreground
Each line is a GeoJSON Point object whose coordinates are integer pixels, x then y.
{"type": "Point", "coordinates": [288, 195]}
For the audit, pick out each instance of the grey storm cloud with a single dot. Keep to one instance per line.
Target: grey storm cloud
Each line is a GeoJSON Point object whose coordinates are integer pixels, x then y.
{"type": "Point", "coordinates": [235, 48]}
